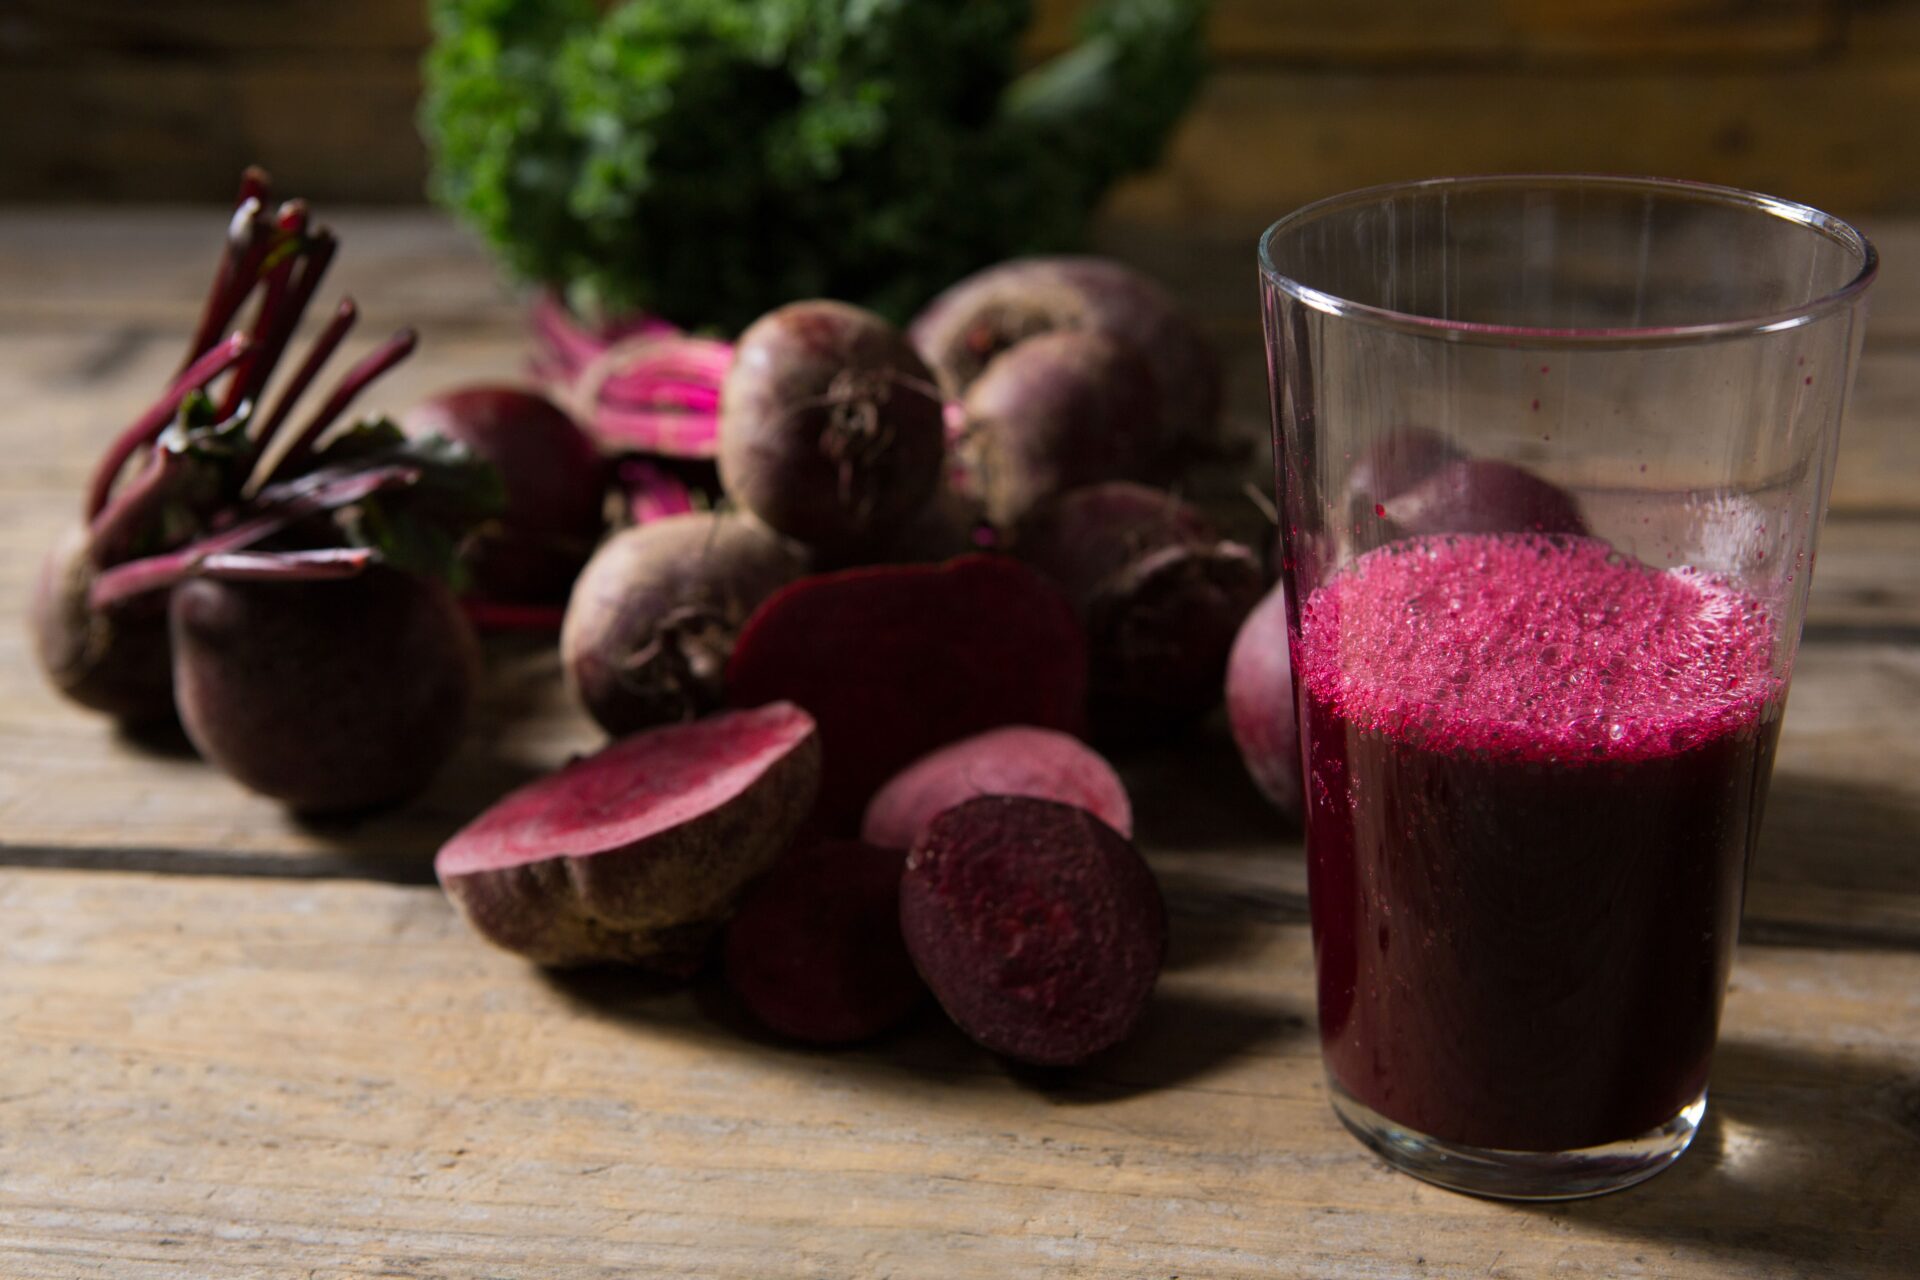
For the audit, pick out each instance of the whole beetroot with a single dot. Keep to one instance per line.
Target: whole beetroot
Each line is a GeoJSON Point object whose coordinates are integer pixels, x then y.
{"type": "Point", "coordinates": [967, 327]}
{"type": "Point", "coordinates": [1057, 411]}
{"type": "Point", "coordinates": [1393, 464]}
{"type": "Point", "coordinates": [653, 617]}
{"type": "Point", "coordinates": [1260, 704]}
{"type": "Point", "coordinates": [555, 483]}
{"type": "Point", "coordinates": [1160, 593]}
{"type": "Point", "coordinates": [116, 661]}
{"type": "Point", "coordinates": [326, 696]}
{"type": "Point", "coordinates": [1039, 928]}
{"type": "Point", "coordinates": [638, 852]}
{"type": "Point", "coordinates": [815, 950]}
{"type": "Point", "coordinates": [1481, 495]}
{"type": "Point", "coordinates": [832, 430]}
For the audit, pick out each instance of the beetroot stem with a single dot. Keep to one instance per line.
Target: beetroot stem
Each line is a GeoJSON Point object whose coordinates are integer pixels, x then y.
{"type": "Point", "coordinates": [240, 232]}
{"type": "Point", "coordinates": [305, 497]}
{"type": "Point", "coordinates": [273, 319]}
{"type": "Point", "coordinates": [287, 566]}
{"type": "Point", "coordinates": [317, 356]}
{"type": "Point", "coordinates": [148, 426]}
{"type": "Point", "coordinates": [371, 366]}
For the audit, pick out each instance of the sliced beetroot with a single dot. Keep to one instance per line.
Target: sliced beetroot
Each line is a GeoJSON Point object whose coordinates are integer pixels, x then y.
{"type": "Point", "coordinates": [832, 430]}
{"type": "Point", "coordinates": [654, 615]}
{"type": "Point", "coordinates": [894, 661]}
{"type": "Point", "coordinates": [1162, 596]}
{"type": "Point", "coordinates": [638, 852]}
{"type": "Point", "coordinates": [1482, 496]}
{"type": "Point", "coordinates": [555, 483]}
{"type": "Point", "coordinates": [325, 695]}
{"type": "Point", "coordinates": [1016, 761]}
{"type": "Point", "coordinates": [964, 329]}
{"type": "Point", "coordinates": [116, 660]}
{"type": "Point", "coordinates": [815, 950]}
{"type": "Point", "coordinates": [1058, 410]}
{"type": "Point", "coordinates": [1039, 928]}
{"type": "Point", "coordinates": [1260, 704]}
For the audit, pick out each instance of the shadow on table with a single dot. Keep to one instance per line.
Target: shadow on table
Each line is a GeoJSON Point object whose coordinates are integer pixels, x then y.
{"type": "Point", "coordinates": [1184, 1035]}
{"type": "Point", "coordinates": [1805, 1160]}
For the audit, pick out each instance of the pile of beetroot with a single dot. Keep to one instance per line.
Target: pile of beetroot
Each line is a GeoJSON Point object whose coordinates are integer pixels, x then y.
{"type": "Point", "coordinates": [280, 578]}
{"type": "Point", "coordinates": [868, 597]}
{"type": "Point", "coordinates": [849, 686]}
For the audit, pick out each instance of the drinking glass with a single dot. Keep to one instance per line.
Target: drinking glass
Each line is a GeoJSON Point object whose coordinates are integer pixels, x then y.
{"type": "Point", "coordinates": [1552, 455]}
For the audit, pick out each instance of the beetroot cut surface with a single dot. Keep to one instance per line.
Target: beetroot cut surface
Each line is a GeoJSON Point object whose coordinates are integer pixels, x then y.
{"type": "Point", "coordinates": [815, 951]}
{"type": "Point", "coordinates": [894, 661]}
{"type": "Point", "coordinates": [1016, 761]}
{"type": "Point", "coordinates": [637, 852]}
{"type": "Point", "coordinates": [1039, 928]}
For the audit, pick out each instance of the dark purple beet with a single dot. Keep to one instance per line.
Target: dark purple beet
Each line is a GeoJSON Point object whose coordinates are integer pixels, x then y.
{"type": "Point", "coordinates": [654, 615]}
{"type": "Point", "coordinates": [832, 430]}
{"type": "Point", "coordinates": [815, 950]}
{"type": "Point", "coordinates": [1058, 411]}
{"type": "Point", "coordinates": [1482, 496]}
{"type": "Point", "coordinates": [555, 481]}
{"type": "Point", "coordinates": [1039, 928]}
{"type": "Point", "coordinates": [115, 660]}
{"type": "Point", "coordinates": [966, 327]}
{"type": "Point", "coordinates": [1162, 597]}
{"type": "Point", "coordinates": [326, 696]}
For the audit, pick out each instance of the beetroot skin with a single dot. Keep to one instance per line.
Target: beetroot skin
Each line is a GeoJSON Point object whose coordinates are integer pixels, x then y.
{"type": "Point", "coordinates": [1059, 410]}
{"type": "Point", "coordinates": [638, 852]}
{"type": "Point", "coordinates": [1016, 761]}
{"type": "Point", "coordinates": [555, 481]}
{"type": "Point", "coordinates": [1162, 597]}
{"type": "Point", "coordinates": [815, 950]}
{"type": "Point", "coordinates": [1482, 496]}
{"type": "Point", "coordinates": [894, 661]}
{"type": "Point", "coordinates": [1039, 928]}
{"type": "Point", "coordinates": [832, 430]}
{"type": "Point", "coordinates": [1260, 704]}
{"type": "Point", "coordinates": [964, 329]}
{"type": "Point", "coordinates": [116, 660]}
{"type": "Point", "coordinates": [654, 615]}
{"type": "Point", "coordinates": [326, 696]}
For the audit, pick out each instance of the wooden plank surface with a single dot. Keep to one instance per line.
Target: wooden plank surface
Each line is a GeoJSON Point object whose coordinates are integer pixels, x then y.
{"type": "Point", "coordinates": [100, 100]}
{"type": "Point", "coordinates": [335, 1080]}
{"type": "Point", "coordinates": [287, 1057]}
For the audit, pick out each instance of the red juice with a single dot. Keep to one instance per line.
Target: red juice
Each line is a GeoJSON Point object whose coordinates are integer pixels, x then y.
{"type": "Point", "coordinates": [1535, 770]}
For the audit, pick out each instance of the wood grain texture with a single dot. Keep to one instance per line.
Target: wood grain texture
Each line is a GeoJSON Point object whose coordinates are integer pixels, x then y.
{"type": "Point", "coordinates": [209, 1079]}
{"type": "Point", "coordinates": [1803, 97]}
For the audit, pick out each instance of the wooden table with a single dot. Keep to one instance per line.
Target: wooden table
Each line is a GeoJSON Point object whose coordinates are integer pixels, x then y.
{"type": "Point", "coordinates": [237, 1045]}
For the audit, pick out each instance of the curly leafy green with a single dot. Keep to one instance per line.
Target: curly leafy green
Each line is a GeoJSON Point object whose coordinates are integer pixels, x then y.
{"type": "Point", "coordinates": [708, 160]}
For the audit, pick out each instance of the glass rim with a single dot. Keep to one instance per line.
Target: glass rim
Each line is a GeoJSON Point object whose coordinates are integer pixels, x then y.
{"type": "Point", "coordinates": [1814, 220]}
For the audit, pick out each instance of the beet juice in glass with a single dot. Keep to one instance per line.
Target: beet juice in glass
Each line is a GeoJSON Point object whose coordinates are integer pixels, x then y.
{"type": "Point", "coordinates": [1552, 455]}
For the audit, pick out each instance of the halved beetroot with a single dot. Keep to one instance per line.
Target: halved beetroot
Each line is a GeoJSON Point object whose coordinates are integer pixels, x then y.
{"type": "Point", "coordinates": [895, 660]}
{"type": "Point", "coordinates": [1016, 761]}
{"type": "Point", "coordinates": [637, 852]}
{"type": "Point", "coordinates": [815, 950]}
{"type": "Point", "coordinates": [1039, 928]}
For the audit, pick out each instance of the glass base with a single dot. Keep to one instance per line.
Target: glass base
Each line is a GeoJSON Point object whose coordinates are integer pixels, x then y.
{"type": "Point", "coordinates": [1520, 1175]}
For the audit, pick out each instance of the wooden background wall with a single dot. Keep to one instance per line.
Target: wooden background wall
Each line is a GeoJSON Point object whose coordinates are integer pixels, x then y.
{"type": "Point", "coordinates": [1815, 99]}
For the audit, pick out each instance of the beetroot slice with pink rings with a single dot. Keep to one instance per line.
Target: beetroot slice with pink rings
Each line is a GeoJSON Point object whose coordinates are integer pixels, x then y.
{"type": "Point", "coordinates": [1016, 761]}
{"type": "Point", "coordinates": [637, 852]}
{"type": "Point", "coordinates": [815, 950]}
{"type": "Point", "coordinates": [1039, 928]}
{"type": "Point", "coordinates": [896, 660]}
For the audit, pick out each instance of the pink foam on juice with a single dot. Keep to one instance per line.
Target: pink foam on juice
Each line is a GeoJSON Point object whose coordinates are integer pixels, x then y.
{"type": "Point", "coordinates": [1538, 647]}
{"type": "Point", "coordinates": [1535, 770]}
